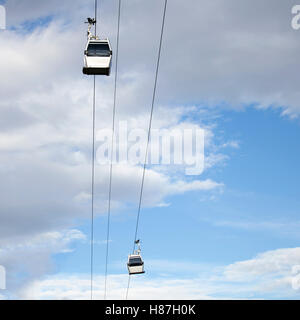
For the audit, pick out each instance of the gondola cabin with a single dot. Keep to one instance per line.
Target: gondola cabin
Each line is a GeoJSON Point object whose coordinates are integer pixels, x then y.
{"type": "Point", "coordinates": [135, 264]}
{"type": "Point", "coordinates": [97, 57]}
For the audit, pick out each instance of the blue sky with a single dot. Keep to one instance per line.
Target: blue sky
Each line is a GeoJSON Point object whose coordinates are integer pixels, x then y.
{"type": "Point", "coordinates": [232, 232]}
{"type": "Point", "coordinates": [257, 211]}
{"type": "Point", "coordinates": [260, 188]}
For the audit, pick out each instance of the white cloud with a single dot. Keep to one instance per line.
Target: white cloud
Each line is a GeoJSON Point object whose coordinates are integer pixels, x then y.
{"type": "Point", "coordinates": [238, 64]}
{"type": "Point", "coordinates": [231, 144]}
{"type": "Point", "coordinates": [78, 287]}
{"type": "Point", "coordinates": [48, 239]}
{"type": "Point", "coordinates": [275, 263]}
{"type": "Point", "coordinates": [181, 186]}
{"type": "Point", "coordinates": [45, 139]}
{"type": "Point", "coordinates": [268, 275]}
{"type": "Point", "coordinates": [31, 255]}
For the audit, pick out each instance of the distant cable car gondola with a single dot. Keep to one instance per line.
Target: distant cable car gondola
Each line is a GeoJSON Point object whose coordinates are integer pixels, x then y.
{"type": "Point", "coordinates": [135, 262]}
{"type": "Point", "coordinates": [97, 54]}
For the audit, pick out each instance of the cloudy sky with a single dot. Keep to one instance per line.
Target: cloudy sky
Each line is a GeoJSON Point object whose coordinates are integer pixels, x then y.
{"type": "Point", "coordinates": [230, 67]}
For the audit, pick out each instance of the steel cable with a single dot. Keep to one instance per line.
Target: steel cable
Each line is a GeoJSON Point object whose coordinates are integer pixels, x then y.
{"type": "Point", "coordinates": [149, 133]}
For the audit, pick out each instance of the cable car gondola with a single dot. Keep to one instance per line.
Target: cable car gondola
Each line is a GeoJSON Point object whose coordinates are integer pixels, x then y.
{"type": "Point", "coordinates": [97, 54]}
{"type": "Point", "coordinates": [135, 262]}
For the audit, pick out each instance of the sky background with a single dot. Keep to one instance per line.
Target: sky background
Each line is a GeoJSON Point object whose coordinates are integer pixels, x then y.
{"type": "Point", "coordinates": [230, 67]}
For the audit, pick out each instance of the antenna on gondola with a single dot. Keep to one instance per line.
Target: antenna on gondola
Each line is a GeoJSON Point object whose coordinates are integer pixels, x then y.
{"type": "Point", "coordinates": [91, 22]}
{"type": "Point", "coordinates": [138, 243]}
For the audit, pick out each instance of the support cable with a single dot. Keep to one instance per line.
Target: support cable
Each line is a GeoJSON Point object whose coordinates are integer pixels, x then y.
{"type": "Point", "coordinates": [93, 171]}
{"type": "Point", "coordinates": [149, 133]}
{"type": "Point", "coordinates": [111, 153]}
{"type": "Point", "coordinates": [96, 16]}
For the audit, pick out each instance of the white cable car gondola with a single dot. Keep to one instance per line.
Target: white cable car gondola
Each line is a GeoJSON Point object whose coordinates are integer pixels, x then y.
{"type": "Point", "coordinates": [97, 54]}
{"type": "Point", "coordinates": [135, 262]}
